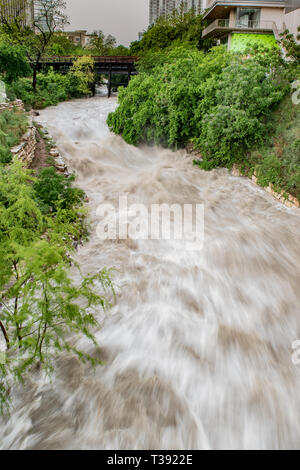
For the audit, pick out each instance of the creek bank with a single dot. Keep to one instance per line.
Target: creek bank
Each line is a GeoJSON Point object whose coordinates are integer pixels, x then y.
{"type": "Point", "coordinates": [36, 146]}
{"type": "Point", "coordinates": [26, 149]}
{"type": "Point", "coordinates": [284, 197]}
{"type": "Point", "coordinates": [10, 105]}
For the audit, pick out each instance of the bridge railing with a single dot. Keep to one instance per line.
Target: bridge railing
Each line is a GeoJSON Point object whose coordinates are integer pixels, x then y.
{"type": "Point", "coordinates": [97, 59]}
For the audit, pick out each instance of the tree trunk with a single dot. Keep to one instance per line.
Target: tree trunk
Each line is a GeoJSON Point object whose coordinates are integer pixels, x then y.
{"type": "Point", "coordinates": [34, 79]}
{"type": "Point", "coordinates": [4, 334]}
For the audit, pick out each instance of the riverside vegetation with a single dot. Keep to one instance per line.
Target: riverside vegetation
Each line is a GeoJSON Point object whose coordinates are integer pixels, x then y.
{"type": "Point", "coordinates": [13, 125]}
{"type": "Point", "coordinates": [42, 218]}
{"type": "Point", "coordinates": [234, 109]}
{"type": "Point", "coordinates": [23, 48]}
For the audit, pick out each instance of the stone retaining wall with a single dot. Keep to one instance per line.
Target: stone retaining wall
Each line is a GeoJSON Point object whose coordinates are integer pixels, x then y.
{"type": "Point", "coordinates": [285, 198]}
{"type": "Point", "coordinates": [25, 150]}
{"type": "Point", "coordinates": [18, 104]}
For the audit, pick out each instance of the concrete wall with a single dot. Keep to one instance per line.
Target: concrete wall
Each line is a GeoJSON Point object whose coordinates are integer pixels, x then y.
{"type": "Point", "coordinates": [232, 16]}
{"type": "Point", "coordinates": [273, 14]}
{"type": "Point", "coordinates": [292, 20]}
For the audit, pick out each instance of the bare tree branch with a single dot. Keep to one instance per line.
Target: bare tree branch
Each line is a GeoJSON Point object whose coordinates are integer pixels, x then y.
{"type": "Point", "coordinates": [48, 18]}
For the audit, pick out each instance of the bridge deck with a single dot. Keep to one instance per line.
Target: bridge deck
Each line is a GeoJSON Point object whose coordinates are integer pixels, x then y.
{"type": "Point", "coordinates": [97, 59]}
{"type": "Point", "coordinates": [104, 65]}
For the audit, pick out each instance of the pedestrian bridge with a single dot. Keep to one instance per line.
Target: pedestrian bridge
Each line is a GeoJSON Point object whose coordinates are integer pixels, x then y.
{"type": "Point", "coordinates": [104, 65]}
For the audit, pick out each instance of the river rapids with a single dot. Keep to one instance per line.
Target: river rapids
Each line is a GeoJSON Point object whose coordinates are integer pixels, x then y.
{"type": "Point", "coordinates": [197, 349]}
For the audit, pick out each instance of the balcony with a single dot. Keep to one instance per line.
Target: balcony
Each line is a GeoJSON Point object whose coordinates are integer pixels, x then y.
{"type": "Point", "coordinates": [221, 27]}
{"type": "Point", "coordinates": [220, 8]}
{"type": "Point", "coordinates": [212, 3]}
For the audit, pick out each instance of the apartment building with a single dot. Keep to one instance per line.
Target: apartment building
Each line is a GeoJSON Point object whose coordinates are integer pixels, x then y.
{"type": "Point", "coordinates": [39, 17]}
{"type": "Point", "coordinates": [12, 9]}
{"type": "Point", "coordinates": [164, 8]}
{"type": "Point", "coordinates": [29, 11]}
{"type": "Point", "coordinates": [79, 37]}
{"type": "Point", "coordinates": [153, 11]}
{"type": "Point", "coordinates": [232, 21]}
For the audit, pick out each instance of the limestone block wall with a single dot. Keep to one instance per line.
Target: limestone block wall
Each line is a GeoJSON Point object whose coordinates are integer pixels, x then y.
{"type": "Point", "coordinates": [25, 150]}
{"type": "Point", "coordinates": [12, 105]}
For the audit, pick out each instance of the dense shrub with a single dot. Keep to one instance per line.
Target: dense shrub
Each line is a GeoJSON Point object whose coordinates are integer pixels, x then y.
{"type": "Point", "coordinates": [160, 106]}
{"type": "Point", "coordinates": [230, 107]}
{"type": "Point", "coordinates": [277, 161]}
{"type": "Point", "coordinates": [13, 63]}
{"type": "Point", "coordinates": [179, 28]}
{"type": "Point", "coordinates": [55, 191]}
{"type": "Point", "coordinates": [235, 117]}
{"type": "Point", "coordinates": [218, 101]}
{"type": "Point", "coordinates": [52, 88]}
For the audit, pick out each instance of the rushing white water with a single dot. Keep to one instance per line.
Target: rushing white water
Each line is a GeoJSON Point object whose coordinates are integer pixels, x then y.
{"type": "Point", "coordinates": [197, 350]}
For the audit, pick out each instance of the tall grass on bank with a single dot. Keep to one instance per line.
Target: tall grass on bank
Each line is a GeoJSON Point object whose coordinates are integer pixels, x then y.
{"type": "Point", "coordinates": [13, 124]}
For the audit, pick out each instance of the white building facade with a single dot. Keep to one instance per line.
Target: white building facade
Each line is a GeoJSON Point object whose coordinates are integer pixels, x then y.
{"type": "Point", "coordinates": [164, 8]}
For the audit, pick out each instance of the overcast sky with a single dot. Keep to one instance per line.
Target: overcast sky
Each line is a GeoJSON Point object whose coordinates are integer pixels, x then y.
{"type": "Point", "coordinates": [121, 18]}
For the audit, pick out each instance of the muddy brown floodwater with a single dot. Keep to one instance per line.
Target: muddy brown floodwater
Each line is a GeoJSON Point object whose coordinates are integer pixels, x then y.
{"type": "Point", "coordinates": [197, 349]}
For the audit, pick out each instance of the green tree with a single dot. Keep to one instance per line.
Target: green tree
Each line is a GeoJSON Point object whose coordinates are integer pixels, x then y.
{"type": "Point", "coordinates": [218, 101]}
{"type": "Point", "coordinates": [41, 307]}
{"type": "Point", "coordinates": [35, 38]}
{"type": "Point", "coordinates": [159, 105]}
{"type": "Point", "coordinates": [291, 45]}
{"type": "Point", "coordinates": [178, 29]}
{"type": "Point", "coordinates": [102, 44]}
{"type": "Point", "coordinates": [119, 51]}
{"type": "Point", "coordinates": [13, 64]}
{"type": "Point", "coordinates": [83, 70]}
{"type": "Point", "coordinates": [60, 45]}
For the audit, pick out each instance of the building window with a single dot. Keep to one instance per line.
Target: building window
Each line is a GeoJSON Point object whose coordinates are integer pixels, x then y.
{"type": "Point", "coordinates": [248, 17]}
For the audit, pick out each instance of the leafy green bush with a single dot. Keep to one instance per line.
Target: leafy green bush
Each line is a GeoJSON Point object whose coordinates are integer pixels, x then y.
{"type": "Point", "coordinates": [160, 106]}
{"type": "Point", "coordinates": [13, 63]}
{"type": "Point", "coordinates": [219, 101]}
{"type": "Point", "coordinates": [269, 171]}
{"type": "Point", "coordinates": [55, 191]}
{"type": "Point", "coordinates": [277, 161]}
{"type": "Point", "coordinates": [235, 118]}
{"type": "Point", "coordinates": [41, 306]}
{"type": "Point", "coordinates": [52, 88]}
{"type": "Point", "coordinates": [5, 154]}
{"type": "Point", "coordinates": [179, 28]}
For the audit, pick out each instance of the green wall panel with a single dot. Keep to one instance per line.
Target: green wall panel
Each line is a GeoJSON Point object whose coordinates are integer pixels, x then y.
{"type": "Point", "coordinates": [240, 41]}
